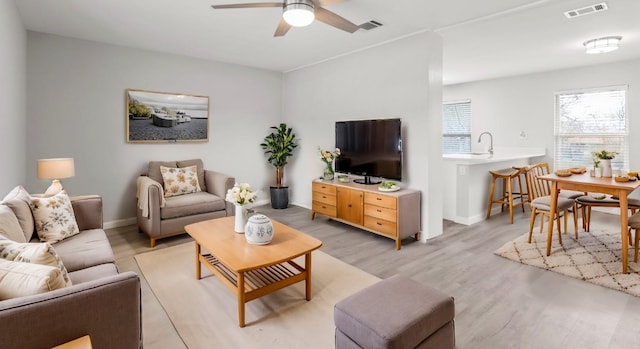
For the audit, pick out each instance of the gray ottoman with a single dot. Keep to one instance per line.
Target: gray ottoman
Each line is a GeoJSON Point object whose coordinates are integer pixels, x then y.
{"type": "Point", "coordinates": [395, 313]}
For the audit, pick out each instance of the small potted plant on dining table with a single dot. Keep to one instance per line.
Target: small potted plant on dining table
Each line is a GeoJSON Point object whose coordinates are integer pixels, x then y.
{"type": "Point", "coordinates": [602, 160]}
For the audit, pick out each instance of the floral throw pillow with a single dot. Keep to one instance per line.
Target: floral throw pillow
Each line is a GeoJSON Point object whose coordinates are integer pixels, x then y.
{"type": "Point", "coordinates": [179, 181]}
{"type": "Point", "coordinates": [37, 253]}
{"type": "Point", "coordinates": [54, 217]}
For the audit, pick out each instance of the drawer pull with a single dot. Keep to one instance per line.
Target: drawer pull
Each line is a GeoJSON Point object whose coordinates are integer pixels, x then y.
{"type": "Point", "coordinates": [379, 210]}
{"type": "Point", "coordinates": [324, 197]}
{"type": "Point", "coordinates": [378, 223]}
{"type": "Point", "coordinates": [379, 199]}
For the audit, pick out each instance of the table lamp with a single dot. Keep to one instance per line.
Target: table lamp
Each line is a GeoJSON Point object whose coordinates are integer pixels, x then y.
{"type": "Point", "coordinates": [55, 169]}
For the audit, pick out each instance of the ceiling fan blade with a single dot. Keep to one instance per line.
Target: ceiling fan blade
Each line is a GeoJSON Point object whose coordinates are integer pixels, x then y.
{"type": "Point", "coordinates": [327, 2]}
{"type": "Point", "coordinates": [283, 28]}
{"type": "Point", "coordinates": [249, 5]}
{"type": "Point", "coordinates": [334, 20]}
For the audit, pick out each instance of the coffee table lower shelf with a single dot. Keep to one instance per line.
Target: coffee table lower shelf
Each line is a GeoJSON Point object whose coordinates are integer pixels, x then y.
{"type": "Point", "coordinates": [256, 283]}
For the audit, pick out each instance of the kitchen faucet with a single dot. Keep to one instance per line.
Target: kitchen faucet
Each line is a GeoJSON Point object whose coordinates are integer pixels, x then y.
{"type": "Point", "coordinates": [490, 138]}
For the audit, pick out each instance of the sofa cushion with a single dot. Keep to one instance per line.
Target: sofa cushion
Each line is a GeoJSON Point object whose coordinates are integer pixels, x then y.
{"type": "Point", "coordinates": [9, 225]}
{"type": "Point", "coordinates": [195, 203]}
{"type": "Point", "coordinates": [93, 273]}
{"type": "Point", "coordinates": [54, 217]}
{"type": "Point", "coordinates": [19, 200]}
{"type": "Point", "coordinates": [38, 253]}
{"type": "Point", "coordinates": [198, 163]}
{"type": "Point", "coordinates": [154, 169]}
{"type": "Point", "coordinates": [87, 249]}
{"type": "Point", "coordinates": [19, 279]}
{"type": "Point", "coordinates": [180, 181]}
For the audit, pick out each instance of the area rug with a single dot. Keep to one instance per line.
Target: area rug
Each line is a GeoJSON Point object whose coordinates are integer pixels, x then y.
{"type": "Point", "coordinates": [205, 314]}
{"type": "Point", "coordinates": [594, 257]}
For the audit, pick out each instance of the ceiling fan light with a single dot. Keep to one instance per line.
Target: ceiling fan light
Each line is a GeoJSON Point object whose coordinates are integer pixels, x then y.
{"type": "Point", "coordinates": [602, 45]}
{"type": "Point", "coordinates": [298, 13]}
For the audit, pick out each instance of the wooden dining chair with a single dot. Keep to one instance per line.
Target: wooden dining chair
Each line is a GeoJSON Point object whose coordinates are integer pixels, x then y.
{"type": "Point", "coordinates": [540, 193]}
{"type": "Point", "coordinates": [634, 224]}
{"type": "Point", "coordinates": [588, 201]}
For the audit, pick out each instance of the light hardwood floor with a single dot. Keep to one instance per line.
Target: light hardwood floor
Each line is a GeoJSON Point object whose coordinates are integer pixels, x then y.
{"type": "Point", "coordinates": [499, 303]}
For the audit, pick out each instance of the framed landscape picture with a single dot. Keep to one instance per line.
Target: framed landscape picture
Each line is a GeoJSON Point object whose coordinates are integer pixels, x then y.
{"type": "Point", "coordinates": [166, 117]}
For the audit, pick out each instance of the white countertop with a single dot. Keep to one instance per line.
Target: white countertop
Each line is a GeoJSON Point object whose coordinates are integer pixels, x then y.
{"type": "Point", "coordinates": [499, 154]}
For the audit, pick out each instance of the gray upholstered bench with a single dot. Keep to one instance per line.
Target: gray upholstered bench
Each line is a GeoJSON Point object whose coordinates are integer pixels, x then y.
{"type": "Point", "coordinates": [397, 312]}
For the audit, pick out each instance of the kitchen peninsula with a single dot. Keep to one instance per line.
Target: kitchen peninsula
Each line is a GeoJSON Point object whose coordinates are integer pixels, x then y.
{"type": "Point", "coordinates": [467, 180]}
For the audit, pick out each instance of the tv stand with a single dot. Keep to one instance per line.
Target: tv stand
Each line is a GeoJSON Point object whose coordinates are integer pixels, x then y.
{"type": "Point", "coordinates": [395, 215]}
{"type": "Point", "coordinates": [366, 180]}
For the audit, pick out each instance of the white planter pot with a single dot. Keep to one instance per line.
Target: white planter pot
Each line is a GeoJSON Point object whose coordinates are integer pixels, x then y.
{"type": "Point", "coordinates": [606, 168]}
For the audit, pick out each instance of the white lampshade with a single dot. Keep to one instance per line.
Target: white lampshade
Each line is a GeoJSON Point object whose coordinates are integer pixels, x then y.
{"type": "Point", "coordinates": [298, 13]}
{"type": "Point", "coordinates": [55, 169]}
{"type": "Point", "coordinates": [602, 45]}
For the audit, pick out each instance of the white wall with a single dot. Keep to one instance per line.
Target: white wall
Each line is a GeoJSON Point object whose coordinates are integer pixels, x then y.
{"type": "Point", "coordinates": [76, 94]}
{"type": "Point", "coordinates": [508, 106]}
{"type": "Point", "coordinates": [13, 89]}
{"type": "Point", "coordinates": [398, 79]}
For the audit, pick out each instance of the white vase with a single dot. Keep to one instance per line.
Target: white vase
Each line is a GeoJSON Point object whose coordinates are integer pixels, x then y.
{"type": "Point", "coordinates": [240, 219]}
{"type": "Point", "coordinates": [606, 168]}
{"type": "Point", "coordinates": [598, 171]}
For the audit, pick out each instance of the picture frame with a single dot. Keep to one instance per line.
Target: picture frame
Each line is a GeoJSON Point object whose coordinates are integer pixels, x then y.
{"type": "Point", "coordinates": [165, 117]}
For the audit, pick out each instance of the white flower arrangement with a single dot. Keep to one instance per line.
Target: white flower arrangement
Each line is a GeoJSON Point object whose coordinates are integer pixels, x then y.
{"type": "Point", "coordinates": [328, 156]}
{"type": "Point", "coordinates": [241, 194]}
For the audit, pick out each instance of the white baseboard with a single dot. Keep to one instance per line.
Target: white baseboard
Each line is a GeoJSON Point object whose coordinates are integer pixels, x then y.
{"type": "Point", "coordinates": [119, 223]}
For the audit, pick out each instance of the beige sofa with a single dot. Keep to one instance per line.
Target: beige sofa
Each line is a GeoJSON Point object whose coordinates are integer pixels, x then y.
{"type": "Point", "coordinates": [101, 302]}
{"type": "Point", "coordinates": [160, 216]}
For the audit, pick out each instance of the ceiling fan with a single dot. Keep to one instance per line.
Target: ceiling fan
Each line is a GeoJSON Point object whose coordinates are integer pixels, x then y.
{"type": "Point", "coordinates": [300, 13]}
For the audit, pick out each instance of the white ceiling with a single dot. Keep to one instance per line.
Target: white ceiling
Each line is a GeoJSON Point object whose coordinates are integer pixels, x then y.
{"type": "Point", "coordinates": [481, 39]}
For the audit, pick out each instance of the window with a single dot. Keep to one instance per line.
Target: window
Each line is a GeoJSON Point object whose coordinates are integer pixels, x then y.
{"type": "Point", "coordinates": [591, 120]}
{"type": "Point", "coordinates": [456, 127]}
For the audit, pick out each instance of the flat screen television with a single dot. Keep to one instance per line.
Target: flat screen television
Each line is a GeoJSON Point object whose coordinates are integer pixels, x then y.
{"type": "Point", "coordinates": [370, 148]}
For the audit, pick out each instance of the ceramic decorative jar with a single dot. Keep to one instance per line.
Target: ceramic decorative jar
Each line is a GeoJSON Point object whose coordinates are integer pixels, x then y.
{"type": "Point", "coordinates": [259, 230]}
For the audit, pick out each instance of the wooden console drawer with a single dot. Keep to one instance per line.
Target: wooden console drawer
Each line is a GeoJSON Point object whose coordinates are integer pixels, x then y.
{"type": "Point", "coordinates": [381, 226]}
{"type": "Point", "coordinates": [380, 200]}
{"type": "Point", "coordinates": [380, 212]}
{"type": "Point", "coordinates": [324, 188]}
{"type": "Point", "coordinates": [322, 208]}
{"type": "Point", "coordinates": [394, 215]}
{"type": "Point", "coordinates": [324, 198]}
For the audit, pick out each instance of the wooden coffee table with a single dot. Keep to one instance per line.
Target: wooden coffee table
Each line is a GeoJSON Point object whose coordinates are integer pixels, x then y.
{"type": "Point", "coordinates": [252, 271]}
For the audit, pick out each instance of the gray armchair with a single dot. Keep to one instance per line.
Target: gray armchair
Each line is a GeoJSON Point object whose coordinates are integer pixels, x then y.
{"type": "Point", "coordinates": [160, 216]}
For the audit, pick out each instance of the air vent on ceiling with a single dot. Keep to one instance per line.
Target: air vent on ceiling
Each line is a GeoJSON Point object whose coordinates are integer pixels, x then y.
{"type": "Point", "coordinates": [370, 25]}
{"type": "Point", "coordinates": [587, 10]}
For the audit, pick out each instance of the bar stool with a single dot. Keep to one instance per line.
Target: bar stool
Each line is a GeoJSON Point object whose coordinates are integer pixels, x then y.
{"type": "Point", "coordinates": [523, 172]}
{"type": "Point", "coordinates": [508, 197]}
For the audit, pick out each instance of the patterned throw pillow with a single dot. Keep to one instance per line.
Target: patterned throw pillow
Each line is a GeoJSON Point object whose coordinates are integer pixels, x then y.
{"type": "Point", "coordinates": [37, 253]}
{"type": "Point", "coordinates": [54, 217]}
{"type": "Point", "coordinates": [18, 279]}
{"type": "Point", "coordinates": [179, 181]}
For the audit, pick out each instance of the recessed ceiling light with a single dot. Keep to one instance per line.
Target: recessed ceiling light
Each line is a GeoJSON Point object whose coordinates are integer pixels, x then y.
{"type": "Point", "coordinates": [602, 45]}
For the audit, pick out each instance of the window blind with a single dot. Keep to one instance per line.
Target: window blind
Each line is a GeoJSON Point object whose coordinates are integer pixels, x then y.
{"type": "Point", "coordinates": [456, 127]}
{"type": "Point", "coordinates": [588, 121]}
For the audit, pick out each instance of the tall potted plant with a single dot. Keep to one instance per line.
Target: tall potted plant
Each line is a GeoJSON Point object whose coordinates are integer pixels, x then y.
{"type": "Point", "coordinates": [279, 146]}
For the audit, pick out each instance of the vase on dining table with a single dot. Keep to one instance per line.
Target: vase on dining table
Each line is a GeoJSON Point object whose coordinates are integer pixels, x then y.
{"type": "Point", "coordinates": [239, 219]}
{"type": "Point", "coordinates": [605, 164]}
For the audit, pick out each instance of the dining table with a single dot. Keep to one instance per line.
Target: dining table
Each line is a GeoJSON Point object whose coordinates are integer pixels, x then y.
{"type": "Point", "coordinates": [605, 185]}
